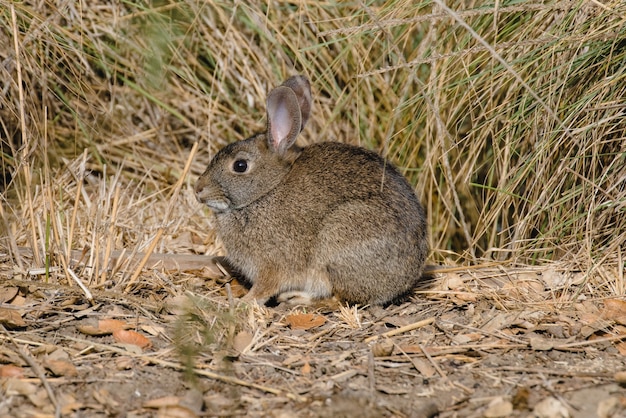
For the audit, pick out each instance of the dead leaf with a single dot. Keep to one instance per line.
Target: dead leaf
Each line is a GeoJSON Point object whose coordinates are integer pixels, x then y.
{"type": "Point", "coordinates": [91, 330]}
{"type": "Point", "coordinates": [10, 370]}
{"type": "Point", "coordinates": [241, 341]}
{"type": "Point", "coordinates": [423, 367]}
{"type": "Point", "coordinates": [555, 280]}
{"type": "Point", "coordinates": [8, 293]}
{"type": "Point", "coordinates": [13, 387]}
{"type": "Point", "coordinates": [162, 402]}
{"type": "Point", "coordinates": [306, 368]}
{"type": "Point", "coordinates": [467, 338]}
{"type": "Point", "coordinates": [498, 322]}
{"type": "Point", "coordinates": [305, 320]}
{"type": "Point", "coordinates": [453, 281]}
{"type": "Point", "coordinates": [614, 310]}
{"type": "Point", "coordinates": [60, 368]}
{"type": "Point", "coordinates": [541, 344]}
{"type": "Point", "coordinates": [111, 325]}
{"type": "Point", "coordinates": [153, 330]}
{"type": "Point", "coordinates": [69, 404]}
{"type": "Point", "coordinates": [11, 318]}
{"type": "Point", "coordinates": [383, 348]}
{"type": "Point", "coordinates": [131, 337]}
{"type": "Point", "coordinates": [18, 300]}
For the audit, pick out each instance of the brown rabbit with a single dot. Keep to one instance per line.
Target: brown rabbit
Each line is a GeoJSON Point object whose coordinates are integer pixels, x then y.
{"type": "Point", "coordinates": [325, 220]}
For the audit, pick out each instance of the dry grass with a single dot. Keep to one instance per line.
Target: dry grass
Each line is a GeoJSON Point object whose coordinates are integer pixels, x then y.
{"type": "Point", "coordinates": [508, 119]}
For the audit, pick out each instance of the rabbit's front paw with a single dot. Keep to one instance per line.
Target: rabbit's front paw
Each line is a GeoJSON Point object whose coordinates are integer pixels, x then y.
{"type": "Point", "coordinates": [295, 297]}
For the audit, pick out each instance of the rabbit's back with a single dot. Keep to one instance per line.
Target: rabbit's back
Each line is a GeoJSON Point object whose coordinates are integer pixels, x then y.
{"type": "Point", "coordinates": [344, 213]}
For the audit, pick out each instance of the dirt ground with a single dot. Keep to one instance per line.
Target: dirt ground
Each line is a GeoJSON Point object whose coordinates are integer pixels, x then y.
{"type": "Point", "coordinates": [475, 342]}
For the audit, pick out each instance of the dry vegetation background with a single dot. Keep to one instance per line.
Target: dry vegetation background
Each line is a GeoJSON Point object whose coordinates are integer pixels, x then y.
{"type": "Point", "coordinates": [508, 117]}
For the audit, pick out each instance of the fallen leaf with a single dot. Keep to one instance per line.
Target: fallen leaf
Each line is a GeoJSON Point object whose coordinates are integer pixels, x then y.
{"type": "Point", "coordinates": [111, 325]}
{"type": "Point", "coordinates": [241, 341]}
{"type": "Point", "coordinates": [12, 387]}
{"type": "Point", "coordinates": [91, 330]}
{"type": "Point", "coordinates": [424, 367]}
{"type": "Point", "coordinates": [162, 402]}
{"type": "Point", "coordinates": [124, 363]}
{"type": "Point", "coordinates": [153, 330]}
{"type": "Point", "coordinates": [305, 321]}
{"type": "Point", "coordinates": [306, 368]}
{"type": "Point", "coordinates": [614, 310]}
{"type": "Point", "coordinates": [554, 279]}
{"type": "Point", "coordinates": [10, 370]}
{"type": "Point", "coordinates": [383, 348]}
{"type": "Point", "coordinates": [60, 367]}
{"type": "Point", "coordinates": [8, 293]}
{"type": "Point", "coordinates": [498, 322]}
{"type": "Point", "coordinates": [131, 337]}
{"type": "Point", "coordinates": [452, 281]}
{"type": "Point", "coordinates": [58, 354]}
{"type": "Point", "coordinates": [69, 404]}
{"type": "Point", "coordinates": [11, 318]}
{"type": "Point", "coordinates": [467, 338]}
{"type": "Point", "coordinates": [18, 300]}
{"type": "Point", "coordinates": [541, 344]}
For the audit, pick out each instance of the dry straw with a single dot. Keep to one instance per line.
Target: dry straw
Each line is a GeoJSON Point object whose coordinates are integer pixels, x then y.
{"type": "Point", "coordinates": [508, 118]}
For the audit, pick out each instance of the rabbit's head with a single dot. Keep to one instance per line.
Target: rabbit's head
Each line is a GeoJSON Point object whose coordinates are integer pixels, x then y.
{"type": "Point", "coordinates": [244, 171]}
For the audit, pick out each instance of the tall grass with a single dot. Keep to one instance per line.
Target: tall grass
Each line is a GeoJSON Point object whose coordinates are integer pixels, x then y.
{"type": "Point", "coordinates": [508, 117]}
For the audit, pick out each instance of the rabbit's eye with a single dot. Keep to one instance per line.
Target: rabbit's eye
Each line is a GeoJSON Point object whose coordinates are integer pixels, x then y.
{"type": "Point", "coordinates": [240, 166]}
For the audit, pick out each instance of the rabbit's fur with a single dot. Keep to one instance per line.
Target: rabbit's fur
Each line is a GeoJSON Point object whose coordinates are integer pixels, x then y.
{"type": "Point", "coordinates": [325, 220]}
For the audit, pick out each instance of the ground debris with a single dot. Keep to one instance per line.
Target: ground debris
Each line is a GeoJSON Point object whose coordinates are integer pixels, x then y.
{"type": "Point", "coordinates": [208, 354]}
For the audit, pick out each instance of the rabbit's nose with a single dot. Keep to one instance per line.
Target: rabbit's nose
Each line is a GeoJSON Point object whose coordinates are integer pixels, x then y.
{"type": "Point", "coordinates": [201, 191]}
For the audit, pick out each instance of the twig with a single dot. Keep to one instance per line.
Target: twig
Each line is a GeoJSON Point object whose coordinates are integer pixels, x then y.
{"type": "Point", "coordinates": [402, 330]}
{"type": "Point", "coordinates": [80, 284]}
{"type": "Point", "coordinates": [371, 374]}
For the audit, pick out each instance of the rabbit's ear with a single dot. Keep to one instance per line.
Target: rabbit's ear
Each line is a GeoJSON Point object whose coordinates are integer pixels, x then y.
{"type": "Point", "coordinates": [284, 119]}
{"type": "Point", "coordinates": [300, 85]}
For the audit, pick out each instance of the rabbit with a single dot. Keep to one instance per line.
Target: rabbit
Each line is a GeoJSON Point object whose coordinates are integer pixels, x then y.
{"type": "Point", "coordinates": [315, 222]}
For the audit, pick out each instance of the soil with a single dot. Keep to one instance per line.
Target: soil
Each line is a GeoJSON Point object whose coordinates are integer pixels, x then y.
{"type": "Point", "coordinates": [467, 345]}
